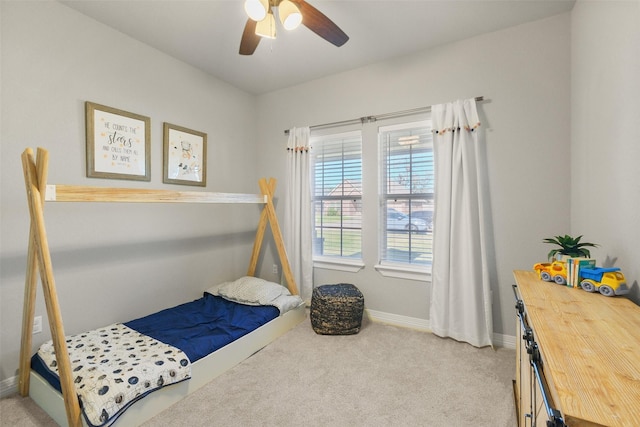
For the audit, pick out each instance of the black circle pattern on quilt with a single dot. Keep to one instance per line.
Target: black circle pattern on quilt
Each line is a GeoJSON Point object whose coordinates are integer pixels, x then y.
{"type": "Point", "coordinates": [114, 366]}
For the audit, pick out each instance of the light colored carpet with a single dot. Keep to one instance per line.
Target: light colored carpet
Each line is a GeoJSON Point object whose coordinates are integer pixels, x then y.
{"type": "Point", "coordinates": [383, 376]}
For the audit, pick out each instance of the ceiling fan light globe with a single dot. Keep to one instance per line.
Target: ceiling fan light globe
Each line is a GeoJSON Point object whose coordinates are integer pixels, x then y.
{"type": "Point", "coordinates": [292, 22]}
{"type": "Point", "coordinates": [256, 9]}
{"type": "Point", "coordinates": [267, 27]}
{"type": "Point", "coordinates": [290, 15]}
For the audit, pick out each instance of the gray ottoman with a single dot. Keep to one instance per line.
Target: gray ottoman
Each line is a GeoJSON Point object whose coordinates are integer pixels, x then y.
{"type": "Point", "coordinates": [336, 309]}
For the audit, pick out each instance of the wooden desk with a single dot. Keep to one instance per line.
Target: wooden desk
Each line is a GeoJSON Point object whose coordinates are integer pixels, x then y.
{"type": "Point", "coordinates": [590, 350]}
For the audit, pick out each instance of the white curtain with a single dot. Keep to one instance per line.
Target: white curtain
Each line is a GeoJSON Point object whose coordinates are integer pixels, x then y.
{"type": "Point", "coordinates": [297, 218]}
{"type": "Point", "coordinates": [460, 294]}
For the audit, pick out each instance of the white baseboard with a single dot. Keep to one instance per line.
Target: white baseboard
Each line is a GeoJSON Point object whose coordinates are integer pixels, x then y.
{"type": "Point", "coordinates": [499, 340]}
{"type": "Point", "coordinates": [397, 320]}
{"type": "Point", "coordinates": [505, 341]}
{"type": "Point", "coordinates": [8, 386]}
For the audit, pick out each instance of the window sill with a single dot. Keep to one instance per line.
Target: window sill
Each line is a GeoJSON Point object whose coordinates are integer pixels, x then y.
{"type": "Point", "coordinates": [340, 264]}
{"type": "Point", "coordinates": [405, 272]}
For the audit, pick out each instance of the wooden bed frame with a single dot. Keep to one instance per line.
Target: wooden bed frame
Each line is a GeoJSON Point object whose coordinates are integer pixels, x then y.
{"type": "Point", "coordinates": [64, 407]}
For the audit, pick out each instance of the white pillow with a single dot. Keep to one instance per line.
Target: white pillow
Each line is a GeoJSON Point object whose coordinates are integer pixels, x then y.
{"type": "Point", "coordinates": [255, 291]}
{"type": "Point", "coordinates": [250, 291]}
{"type": "Point", "coordinates": [287, 302]}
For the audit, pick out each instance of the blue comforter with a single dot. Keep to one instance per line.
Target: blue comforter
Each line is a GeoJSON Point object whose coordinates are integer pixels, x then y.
{"type": "Point", "coordinates": [202, 326]}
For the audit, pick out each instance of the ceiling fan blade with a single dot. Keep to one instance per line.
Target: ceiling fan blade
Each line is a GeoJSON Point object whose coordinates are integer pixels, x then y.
{"type": "Point", "coordinates": [317, 22]}
{"type": "Point", "coordinates": [250, 39]}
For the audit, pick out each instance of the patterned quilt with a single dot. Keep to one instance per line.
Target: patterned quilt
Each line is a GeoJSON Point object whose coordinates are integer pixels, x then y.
{"type": "Point", "coordinates": [115, 366]}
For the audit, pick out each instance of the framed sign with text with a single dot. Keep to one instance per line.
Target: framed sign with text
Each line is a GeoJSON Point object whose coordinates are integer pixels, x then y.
{"type": "Point", "coordinates": [118, 143]}
{"type": "Point", "coordinates": [185, 156]}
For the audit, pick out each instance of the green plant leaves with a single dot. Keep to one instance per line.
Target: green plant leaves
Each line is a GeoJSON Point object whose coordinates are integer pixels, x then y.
{"type": "Point", "coordinates": [569, 246]}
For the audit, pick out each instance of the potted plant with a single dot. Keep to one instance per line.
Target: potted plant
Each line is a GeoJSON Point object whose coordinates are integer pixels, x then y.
{"type": "Point", "coordinates": [569, 247]}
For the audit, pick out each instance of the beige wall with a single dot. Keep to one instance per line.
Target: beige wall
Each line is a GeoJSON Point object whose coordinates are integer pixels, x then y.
{"type": "Point", "coordinates": [524, 73]}
{"type": "Point", "coordinates": [113, 262]}
{"type": "Point", "coordinates": [605, 136]}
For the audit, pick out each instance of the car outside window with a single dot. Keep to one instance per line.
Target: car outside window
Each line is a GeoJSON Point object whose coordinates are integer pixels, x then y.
{"type": "Point", "coordinates": [406, 193]}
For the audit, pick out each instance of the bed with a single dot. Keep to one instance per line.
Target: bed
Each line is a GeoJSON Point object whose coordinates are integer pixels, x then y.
{"type": "Point", "coordinates": [66, 371]}
{"type": "Point", "coordinates": [247, 312]}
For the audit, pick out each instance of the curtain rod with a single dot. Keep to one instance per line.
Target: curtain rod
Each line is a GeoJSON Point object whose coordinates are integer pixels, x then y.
{"type": "Point", "coordinates": [369, 119]}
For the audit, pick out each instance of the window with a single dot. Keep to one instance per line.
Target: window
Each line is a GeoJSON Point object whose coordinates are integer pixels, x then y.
{"type": "Point", "coordinates": [398, 220]}
{"type": "Point", "coordinates": [407, 189]}
{"type": "Point", "coordinates": [337, 196]}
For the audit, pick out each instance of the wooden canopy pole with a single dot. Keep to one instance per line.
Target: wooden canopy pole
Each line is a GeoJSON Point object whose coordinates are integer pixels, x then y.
{"type": "Point", "coordinates": [41, 170]}
{"type": "Point", "coordinates": [269, 215]}
{"type": "Point", "coordinates": [39, 241]}
{"type": "Point", "coordinates": [262, 226]}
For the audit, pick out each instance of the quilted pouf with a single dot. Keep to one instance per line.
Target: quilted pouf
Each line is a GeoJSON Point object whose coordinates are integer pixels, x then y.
{"type": "Point", "coordinates": [336, 309]}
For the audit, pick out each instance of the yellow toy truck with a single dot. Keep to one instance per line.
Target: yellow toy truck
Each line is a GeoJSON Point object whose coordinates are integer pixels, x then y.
{"type": "Point", "coordinates": [607, 281]}
{"type": "Point", "coordinates": [552, 271]}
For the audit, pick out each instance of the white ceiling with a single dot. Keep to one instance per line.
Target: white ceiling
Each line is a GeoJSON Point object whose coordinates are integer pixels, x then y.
{"type": "Point", "coordinates": [206, 33]}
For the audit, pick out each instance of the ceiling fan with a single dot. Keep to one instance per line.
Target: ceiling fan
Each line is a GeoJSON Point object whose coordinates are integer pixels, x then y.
{"type": "Point", "coordinates": [292, 13]}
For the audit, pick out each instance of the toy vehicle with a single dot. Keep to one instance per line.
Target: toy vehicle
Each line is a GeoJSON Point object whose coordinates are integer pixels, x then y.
{"type": "Point", "coordinates": [552, 272]}
{"type": "Point", "coordinates": [607, 281]}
